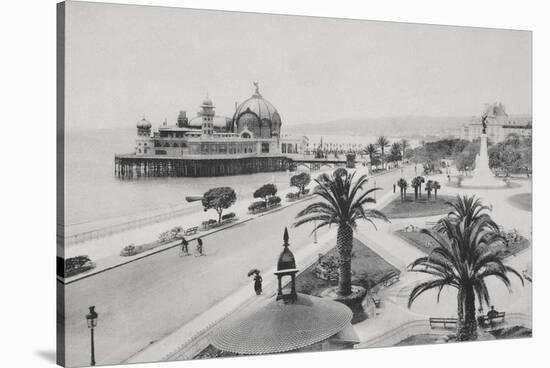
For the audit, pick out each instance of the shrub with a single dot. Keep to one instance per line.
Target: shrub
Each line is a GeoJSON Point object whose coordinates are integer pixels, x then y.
{"type": "Point", "coordinates": [306, 191]}
{"type": "Point", "coordinates": [169, 235]}
{"type": "Point", "coordinates": [75, 265]}
{"type": "Point", "coordinates": [128, 250]}
{"type": "Point", "coordinates": [255, 206]}
{"type": "Point", "coordinates": [272, 201]}
{"type": "Point", "coordinates": [228, 216]}
{"type": "Point", "coordinates": [292, 196]}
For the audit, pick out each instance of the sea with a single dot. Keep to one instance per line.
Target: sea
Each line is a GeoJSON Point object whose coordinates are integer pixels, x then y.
{"type": "Point", "coordinates": [93, 194]}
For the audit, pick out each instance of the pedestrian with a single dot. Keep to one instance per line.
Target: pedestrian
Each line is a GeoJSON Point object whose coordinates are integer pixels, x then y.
{"type": "Point", "coordinates": [394, 188]}
{"type": "Point", "coordinates": [184, 246]}
{"type": "Point", "coordinates": [199, 246]}
{"type": "Point", "coordinates": [480, 317]}
{"type": "Point", "coordinates": [258, 283]}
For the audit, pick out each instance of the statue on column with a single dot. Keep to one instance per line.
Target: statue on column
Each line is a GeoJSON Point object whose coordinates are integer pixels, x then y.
{"type": "Point", "coordinates": [484, 124]}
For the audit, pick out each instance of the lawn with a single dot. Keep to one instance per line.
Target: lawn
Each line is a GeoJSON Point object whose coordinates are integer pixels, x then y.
{"type": "Point", "coordinates": [419, 208]}
{"type": "Point", "coordinates": [368, 269]}
{"type": "Point", "coordinates": [523, 201]}
{"type": "Point", "coordinates": [426, 244]}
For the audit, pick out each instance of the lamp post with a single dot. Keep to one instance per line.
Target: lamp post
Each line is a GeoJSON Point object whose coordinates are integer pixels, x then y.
{"type": "Point", "coordinates": [91, 319]}
{"type": "Point", "coordinates": [375, 190]}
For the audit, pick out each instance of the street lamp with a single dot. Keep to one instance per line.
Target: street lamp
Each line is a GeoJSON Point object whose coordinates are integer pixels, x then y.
{"type": "Point", "coordinates": [375, 190]}
{"type": "Point", "coordinates": [91, 319]}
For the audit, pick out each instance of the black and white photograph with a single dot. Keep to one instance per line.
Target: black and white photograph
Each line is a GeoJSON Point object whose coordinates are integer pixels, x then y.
{"type": "Point", "coordinates": [252, 182]}
{"type": "Point", "coordinates": [243, 184]}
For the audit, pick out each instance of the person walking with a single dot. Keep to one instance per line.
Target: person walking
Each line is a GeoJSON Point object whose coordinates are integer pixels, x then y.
{"type": "Point", "coordinates": [258, 283]}
{"type": "Point", "coordinates": [184, 246]}
{"type": "Point", "coordinates": [199, 247]}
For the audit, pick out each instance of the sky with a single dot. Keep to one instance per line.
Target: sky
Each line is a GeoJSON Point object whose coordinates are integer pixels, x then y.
{"type": "Point", "coordinates": [124, 62]}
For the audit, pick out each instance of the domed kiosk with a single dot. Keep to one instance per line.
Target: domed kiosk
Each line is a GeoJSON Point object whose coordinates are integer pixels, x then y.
{"type": "Point", "coordinates": [289, 321]}
{"type": "Point", "coordinates": [258, 116]}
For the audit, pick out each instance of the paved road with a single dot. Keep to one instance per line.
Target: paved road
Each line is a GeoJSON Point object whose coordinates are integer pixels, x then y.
{"type": "Point", "coordinates": [143, 301]}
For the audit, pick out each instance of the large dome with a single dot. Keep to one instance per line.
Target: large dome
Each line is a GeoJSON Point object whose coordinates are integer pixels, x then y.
{"type": "Point", "coordinates": [259, 116]}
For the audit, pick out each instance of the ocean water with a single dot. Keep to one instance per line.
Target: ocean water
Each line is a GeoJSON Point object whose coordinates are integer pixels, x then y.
{"type": "Point", "coordinates": [93, 193]}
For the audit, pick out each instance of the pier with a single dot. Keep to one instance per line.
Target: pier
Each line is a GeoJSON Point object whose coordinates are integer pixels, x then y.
{"type": "Point", "coordinates": [134, 166]}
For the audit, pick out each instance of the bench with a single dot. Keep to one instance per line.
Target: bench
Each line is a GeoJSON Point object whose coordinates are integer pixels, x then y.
{"type": "Point", "coordinates": [191, 231]}
{"type": "Point", "coordinates": [391, 279]}
{"type": "Point", "coordinates": [444, 322]}
{"type": "Point", "coordinates": [497, 319]}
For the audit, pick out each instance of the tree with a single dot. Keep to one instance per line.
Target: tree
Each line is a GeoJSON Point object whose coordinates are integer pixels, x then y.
{"type": "Point", "coordinates": [436, 186]}
{"type": "Point", "coordinates": [340, 172]}
{"type": "Point", "coordinates": [429, 188]}
{"type": "Point", "coordinates": [417, 185]}
{"type": "Point", "coordinates": [372, 152]}
{"type": "Point", "coordinates": [219, 199]}
{"type": "Point", "coordinates": [342, 204]}
{"type": "Point", "coordinates": [395, 152]}
{"type": "Point", "coordinates": [402, 184]}
{"type": "Point", "coordinates": [463, 257]}
{"type": "Point", "coordinates": [382, 142]}
{"type": "Point", "coordinates": [300, 181]}
{"type": "Point", "coordinates": [265, 192]}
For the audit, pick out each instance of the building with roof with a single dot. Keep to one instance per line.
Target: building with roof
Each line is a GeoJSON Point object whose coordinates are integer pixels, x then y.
{"type": "Point", "coordinates": [210, 145]}
{"type": "Point", "coordinates": [499, 124]}
{"type": "Point", "coordinates": [288, 321]}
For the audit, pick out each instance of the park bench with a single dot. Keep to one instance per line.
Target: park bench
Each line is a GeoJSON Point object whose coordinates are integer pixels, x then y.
{"type": "Point", "coordinates": [191, 231]}
{"type": "Point", "coordinates": [443, 322]}
{"type": "Point", "coordinates": [497, 319]}
{"type": "Point", "coordinates": [391, 279]}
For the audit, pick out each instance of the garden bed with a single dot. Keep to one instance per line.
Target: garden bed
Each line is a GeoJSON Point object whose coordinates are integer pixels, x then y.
{"type": "Point", "coordinates": [426, 244]}
{"type": "Point", "coordinates": [419, 208]}
{"type": "Point", "coordinates": [368, 269]}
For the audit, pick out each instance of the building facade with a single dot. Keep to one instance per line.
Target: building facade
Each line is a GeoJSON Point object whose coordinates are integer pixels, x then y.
{"type": "Point", "coordinates": [499, 125]}
{"type": "Point", "coordinates": [212, 145]}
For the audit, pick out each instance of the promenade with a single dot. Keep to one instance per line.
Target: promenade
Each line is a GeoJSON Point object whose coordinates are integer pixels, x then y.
{"type": "Point", "coordinates": [142, 302]}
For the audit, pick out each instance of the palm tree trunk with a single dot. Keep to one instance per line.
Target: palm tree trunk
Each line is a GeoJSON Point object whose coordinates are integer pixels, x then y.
{"type": "Point", "coordinates": [467, 326]}
{"type": "Point", "coordinates": [344, 244]}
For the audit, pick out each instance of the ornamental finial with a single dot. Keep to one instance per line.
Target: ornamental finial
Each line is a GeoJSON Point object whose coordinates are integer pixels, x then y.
{"type": "Point", "coordinates": [257, 85]}
{"type": "Point", "coordinates": [285, 238]}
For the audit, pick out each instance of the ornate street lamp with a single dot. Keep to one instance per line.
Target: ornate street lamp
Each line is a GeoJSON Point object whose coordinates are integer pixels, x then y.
{"type": "Point", "coordinates": [91, 319]}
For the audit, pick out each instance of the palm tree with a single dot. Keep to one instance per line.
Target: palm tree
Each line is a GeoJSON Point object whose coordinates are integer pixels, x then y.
{"type": "Point", "coordinates": [462, 259]}
{"type": "Point", "coordinates": [342, 205]}
{"type": "Point", "coordinates": [429, 188]}
{"type": "Point", "coordinates": [395, 152]}
{"type": "Point", "coordinates": [402, 184]}
{"type": "Point", "coordinates": [382, 142]}
{"type": "Point", "coordinates": [436, 186]}
{"type": "Point", "coordinates": [372, 151]}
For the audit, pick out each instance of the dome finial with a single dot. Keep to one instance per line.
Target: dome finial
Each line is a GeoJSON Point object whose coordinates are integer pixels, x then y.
{"type": "Point", "coordinates": [257, 92]}
{"type": "Point", "coordinates": [285, 238]}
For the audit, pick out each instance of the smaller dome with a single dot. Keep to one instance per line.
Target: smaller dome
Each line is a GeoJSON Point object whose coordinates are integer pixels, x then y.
{"type": "Point", "coordinates": [207, 102]}
{"type": "Point", "coordinates": [286, 258]}
{"type": "Point", "coordinates": [144, 124]}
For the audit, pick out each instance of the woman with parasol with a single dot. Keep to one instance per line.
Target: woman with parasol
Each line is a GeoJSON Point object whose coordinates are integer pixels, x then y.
{"type": "Point", "coordinates": [257, 280]}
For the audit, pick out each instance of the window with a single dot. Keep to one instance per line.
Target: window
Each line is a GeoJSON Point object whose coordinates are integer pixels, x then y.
{"type": "Point", "coordinates": [160, 152]}
{"type": "Point", "coordinates": [157, 144]}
